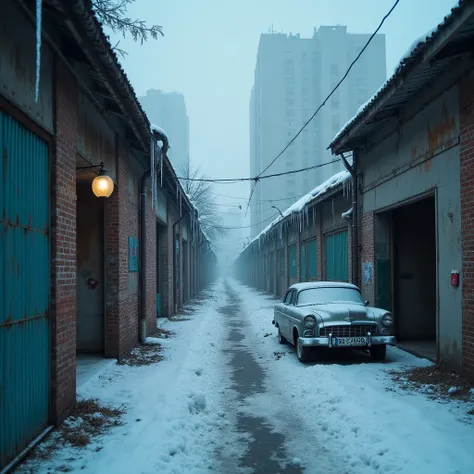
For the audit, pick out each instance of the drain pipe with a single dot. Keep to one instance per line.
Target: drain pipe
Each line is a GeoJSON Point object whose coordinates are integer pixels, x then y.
{"type": "Point", "coordinates": [142, 233]}
{"type": "Point", "coordinates": [355, 215]}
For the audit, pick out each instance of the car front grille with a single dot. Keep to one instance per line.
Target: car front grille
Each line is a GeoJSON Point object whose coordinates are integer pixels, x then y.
{"type": "Point", "coordinates": [354, 330]}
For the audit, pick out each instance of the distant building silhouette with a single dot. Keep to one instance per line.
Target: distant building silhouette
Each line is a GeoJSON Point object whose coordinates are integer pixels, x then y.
{"type": "Point", "coordinates": [168, 111]}
{"type": "Point", "coordinates": [293, 76]}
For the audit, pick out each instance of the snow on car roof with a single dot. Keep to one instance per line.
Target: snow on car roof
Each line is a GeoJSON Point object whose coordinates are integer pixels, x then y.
{"type": "Point", "coordinates": [322, 284]}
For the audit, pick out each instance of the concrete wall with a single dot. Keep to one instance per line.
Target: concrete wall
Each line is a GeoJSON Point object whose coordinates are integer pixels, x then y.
{"type": "Point", "coordinates": [422, 156]}
{"type": "Point", "coordinates": [95, 137]}
{"type": "Point", "coordinates": [18, 67]}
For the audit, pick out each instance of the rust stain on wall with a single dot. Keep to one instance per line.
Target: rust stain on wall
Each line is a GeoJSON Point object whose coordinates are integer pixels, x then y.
{"type": "Point", "coordinates": [439, 134]}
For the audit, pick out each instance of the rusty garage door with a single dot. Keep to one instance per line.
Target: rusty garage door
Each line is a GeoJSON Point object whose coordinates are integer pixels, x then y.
{"type": "Point", "coordinates": [24, 288]}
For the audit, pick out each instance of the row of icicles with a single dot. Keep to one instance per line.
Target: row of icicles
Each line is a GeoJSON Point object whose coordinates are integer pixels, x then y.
{"type": "Point", "coordinates": [301, 219]}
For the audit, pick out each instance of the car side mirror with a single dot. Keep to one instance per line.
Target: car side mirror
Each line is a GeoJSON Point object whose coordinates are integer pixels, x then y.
{"type": "Point", "coordinates": [366, 302]}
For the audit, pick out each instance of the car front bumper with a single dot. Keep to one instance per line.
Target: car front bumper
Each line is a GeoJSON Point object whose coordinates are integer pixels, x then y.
{"type": "Point", "coordinates": [328, 341]}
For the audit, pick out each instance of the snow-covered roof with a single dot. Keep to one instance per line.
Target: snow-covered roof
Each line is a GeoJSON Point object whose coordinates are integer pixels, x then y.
{"type": "Point", "coordinates": [297, 207]}
{"type": "Point", "coordinates": [157, 129]}
{"type": "Point", "coordinates": [413, 56]}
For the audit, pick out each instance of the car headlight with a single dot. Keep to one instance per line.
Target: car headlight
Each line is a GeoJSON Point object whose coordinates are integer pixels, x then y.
{"type": "Point", "coordinates": [309, 321]}
{"type": "Point", "coordinates": [387, 320]}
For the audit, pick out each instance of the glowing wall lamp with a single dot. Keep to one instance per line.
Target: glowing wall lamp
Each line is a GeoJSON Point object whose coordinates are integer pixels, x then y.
{"type": "Point", "coordinates": [102, 184]}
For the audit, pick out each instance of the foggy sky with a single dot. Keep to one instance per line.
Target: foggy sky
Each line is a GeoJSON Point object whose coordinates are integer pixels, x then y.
{"type": "Point", "coordinates": [208, 54]}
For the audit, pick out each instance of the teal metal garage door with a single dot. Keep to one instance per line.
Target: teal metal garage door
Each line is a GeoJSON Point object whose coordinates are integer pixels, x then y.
{"type": "Point", "coordinates": [312, 259]}
{"type": "Point", "coordinates": [24, 288]}
{"type": "Point", "coordinates": [304, 277]}
{"type": "Point", "coordinates": [337, 251]}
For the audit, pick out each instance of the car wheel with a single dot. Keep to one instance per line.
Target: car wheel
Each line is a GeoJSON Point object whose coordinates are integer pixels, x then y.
{"type": "Point", "coordinates": [302, 352]}
{"type": "Point", "coordinates": [281, 339]}
{"type": "Point", "coordinates": [378, 352]}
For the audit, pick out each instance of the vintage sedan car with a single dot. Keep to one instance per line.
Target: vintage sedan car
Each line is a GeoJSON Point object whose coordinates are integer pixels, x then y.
{"type": "Point", "coordinates": [334, 315]}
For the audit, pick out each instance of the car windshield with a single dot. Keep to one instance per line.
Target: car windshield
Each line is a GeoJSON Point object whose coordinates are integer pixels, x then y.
{"type": "Point", "coordinates": [329, 295]}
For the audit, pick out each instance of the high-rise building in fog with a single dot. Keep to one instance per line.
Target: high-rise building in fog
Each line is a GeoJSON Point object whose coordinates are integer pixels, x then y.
{"type": "Point", "coordinates": [168, 111]}
{"type": "Point", "coordinates": [293, 76]}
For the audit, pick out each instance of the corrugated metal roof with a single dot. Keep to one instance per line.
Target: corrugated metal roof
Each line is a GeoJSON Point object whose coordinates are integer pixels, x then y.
{"type": "Point", "coordinates": [412, 74]}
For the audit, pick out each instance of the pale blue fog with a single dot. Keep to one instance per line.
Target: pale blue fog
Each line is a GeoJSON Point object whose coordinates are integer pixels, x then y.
{"type": "Point", "coordinates": [208, 53]}
{"type": "Point", "coordinates": [237, 248]}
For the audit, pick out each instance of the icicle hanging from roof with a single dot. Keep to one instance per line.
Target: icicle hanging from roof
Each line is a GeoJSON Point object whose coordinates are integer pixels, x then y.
{"type": "Point", "coordinates": [39, 10]}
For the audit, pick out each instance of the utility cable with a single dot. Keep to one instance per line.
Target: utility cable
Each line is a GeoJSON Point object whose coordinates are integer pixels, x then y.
{"type": "Point", "coordinates": [259, 200]}
{"type": "Point", "coordinates": [344, 77]}
{"type": "Point", "coordinates": [245, 226]}
{"type": "Point", "coordinates": [325, 100]}
{"type": "Point", "coordinates": [258, 178]}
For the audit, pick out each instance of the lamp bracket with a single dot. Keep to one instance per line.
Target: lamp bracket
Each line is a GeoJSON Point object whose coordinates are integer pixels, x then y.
{"type": "Point", "coordinates": [101, 166]}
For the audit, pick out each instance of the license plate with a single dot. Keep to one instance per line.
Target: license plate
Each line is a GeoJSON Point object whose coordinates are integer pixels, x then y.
{"type": "Point", "coordinates": [350, 341]}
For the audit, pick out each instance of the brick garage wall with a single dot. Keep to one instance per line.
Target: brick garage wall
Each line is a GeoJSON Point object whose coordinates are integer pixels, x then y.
{"type": "Point", "coordinates": [150, 267]}
{"type": "Point", "coordinates": [166, 262]}
{"type": "Point", "coordinates": [163, 270]}
{"type": "Point", "coordinates": [112, 271]}
{"type": "Point", "coordinates": [129, 185]}
{"type": "Point", "coordinates": [63, 247]}
{"type": "Point", "coordinates": [466, 110]}
{"type": "Point", "coordinates": [367, 253]}
{"type": "Point", "coordinates": [122, 222]}
{"type": "Point", "coordinates": [179, 292]}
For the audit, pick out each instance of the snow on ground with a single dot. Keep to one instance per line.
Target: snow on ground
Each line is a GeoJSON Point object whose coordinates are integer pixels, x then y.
{"type": "Point", "coordinates": [354, 412]}
{"type": "Point", "coordinates": [336, 416]}
{"type": "Point", "coordinates": [173, 419]}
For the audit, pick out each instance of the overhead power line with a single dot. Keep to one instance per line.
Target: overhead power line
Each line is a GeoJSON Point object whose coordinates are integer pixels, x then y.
{"type": "Point", "coordinates": [289, 198]}
{"type": "Point", "coordinates": [344, 77]}
{"type": "Point", "coordinates": [327, 98]}
{"type": "Point", "coordinates": [258, 178]}
{"type": "Point", "coordinates": [245, 226]}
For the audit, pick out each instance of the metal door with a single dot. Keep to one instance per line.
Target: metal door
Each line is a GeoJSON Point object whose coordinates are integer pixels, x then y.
{"type": "Point", "coordinates": [312, 252]}
{"type": "Point", "coordinates": [337, 252]}
{"type": "Point", "coordinates": [24, 288]}
{"type": "Point", "coordinates": [303, 262]}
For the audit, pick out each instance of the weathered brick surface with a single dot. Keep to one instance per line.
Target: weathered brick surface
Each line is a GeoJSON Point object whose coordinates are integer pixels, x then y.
{"type": "Point", "coordinates": [123, 292]}
{"type": "Point", "coordinates": [466, 108]}
{"type": "Point", "coordinates": [150, 267]}
{"type": "Point", "coordinates": [112, 269]}
{"type": "Point", "coordinates": [367, 252]}
{"type": "Point", "coordinates": [63, 247]}
{"type": "Point", "coordinates": [166, 258]}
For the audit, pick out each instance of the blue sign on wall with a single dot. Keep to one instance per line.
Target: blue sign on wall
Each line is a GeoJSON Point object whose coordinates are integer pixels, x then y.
{"type": "Point", "coordinates": [132, 254]}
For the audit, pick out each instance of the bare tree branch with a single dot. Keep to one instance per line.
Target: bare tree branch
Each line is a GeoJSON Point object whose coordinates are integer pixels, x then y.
{"type": "Point", "coordinates": [202, 195]}
{"type": "Point", "coordinates": [113, 14]}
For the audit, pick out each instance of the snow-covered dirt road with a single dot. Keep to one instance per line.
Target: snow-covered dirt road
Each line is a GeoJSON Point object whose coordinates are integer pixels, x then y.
{"type": "Point", "coordinates": [229, 399]}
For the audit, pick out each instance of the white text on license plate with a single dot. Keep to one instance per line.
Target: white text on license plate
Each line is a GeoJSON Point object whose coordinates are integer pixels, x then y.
{"type": "Point", "coordinates": [350, 341]}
